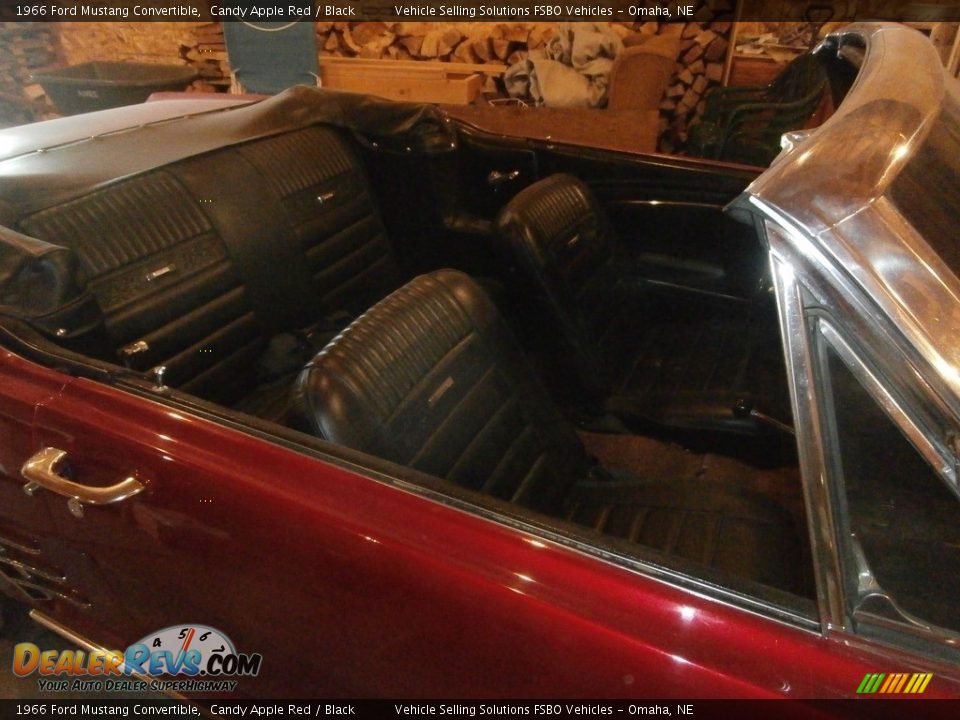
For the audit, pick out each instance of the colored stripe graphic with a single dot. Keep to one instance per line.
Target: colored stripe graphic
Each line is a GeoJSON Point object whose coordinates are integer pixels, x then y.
{"type": "Point", "coordinates": [893, 683]}
{"type": "Point", "coordinates": [891, 680]}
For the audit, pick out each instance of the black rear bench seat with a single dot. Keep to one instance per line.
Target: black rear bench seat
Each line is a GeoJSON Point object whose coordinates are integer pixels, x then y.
{"type": "Point", "coordinates": [196, 265]}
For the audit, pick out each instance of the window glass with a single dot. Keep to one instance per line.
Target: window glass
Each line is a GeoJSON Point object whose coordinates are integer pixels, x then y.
{"type": "Point", "coordinates": [906, 519]}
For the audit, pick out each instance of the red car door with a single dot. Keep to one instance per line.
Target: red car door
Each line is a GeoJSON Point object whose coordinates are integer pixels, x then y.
{"type": "Point", "coordinates": [32, 567]}
{"type": "Point", "coordinates": [350, 585]}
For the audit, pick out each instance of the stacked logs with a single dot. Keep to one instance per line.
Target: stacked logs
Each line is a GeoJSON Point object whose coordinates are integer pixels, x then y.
{"type": "Point", "coordinates": [454, 42]}
{"type": "Point", "coordinates": [25, 48]}
{"type": "Point", "coordinates": [208, 56]}
{"type": "Point", "coordinates": [477, 43]}
{"type": "Point", "coordinates": [703, 52]}
{"type": "Point", "coordinates": [700, 64]}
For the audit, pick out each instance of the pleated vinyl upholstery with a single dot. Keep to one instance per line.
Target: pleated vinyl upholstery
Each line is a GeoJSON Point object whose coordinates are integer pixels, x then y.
{"type": "Point", "coordinates": [429, 378]}
{"type": "Point", "coordinates": [717, 525]}
{"type": "Point", "coordinates": [195, 270]}
{"type": "Point", "coordinates": [326, 195]}
{"type": "Point", "coordinates": [162, 277]}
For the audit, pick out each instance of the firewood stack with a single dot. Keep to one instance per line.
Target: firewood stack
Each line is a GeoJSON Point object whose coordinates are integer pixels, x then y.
{"type": "Point", "coordinates": [703, 52]}
{"type": "Point", "coordinates": [475, 43]}
{"type": "Point", "coordinates": [455, 42]}
{"type": "Point", "coordinates": [452, 42]}
{"type": "Point", "coordinates": [208, 56]}
{"type": "Point", "coordinates": [699, 66]}
{"type": "Point", "coordinates": [25, 48]}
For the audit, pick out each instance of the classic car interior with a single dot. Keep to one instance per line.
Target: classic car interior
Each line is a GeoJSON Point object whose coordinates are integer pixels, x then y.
{"type": "Point", "coordinates": [579, 333]}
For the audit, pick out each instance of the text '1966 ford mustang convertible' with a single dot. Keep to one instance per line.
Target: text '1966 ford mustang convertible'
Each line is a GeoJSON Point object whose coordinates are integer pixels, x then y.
{"type": "Point", "coordinates": [395, 407]}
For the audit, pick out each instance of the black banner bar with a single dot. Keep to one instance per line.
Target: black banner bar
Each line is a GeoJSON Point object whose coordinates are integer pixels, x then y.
{"type": "Point", "coordinates": [867, 707]}
{"type": "Point", "coordinates": [267, 11]}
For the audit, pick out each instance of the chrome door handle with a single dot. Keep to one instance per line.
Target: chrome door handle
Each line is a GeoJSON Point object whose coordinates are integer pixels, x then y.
{"type": "Point", "coordinates": [40, 471]}
{"type": "Point", "coordinates": [495, 178]}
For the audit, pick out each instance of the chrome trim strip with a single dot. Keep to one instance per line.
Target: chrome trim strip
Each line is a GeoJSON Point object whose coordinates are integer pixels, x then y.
{"type": "Point", "coordinates": [700, 292]}
{"type": "Point", "coordinates": [666, 203]}
{"type": "Point", "coordinates": [29, 570]}
{"type": "Point", "coordinates": [808, 429]}
{"type": "Point", "coordinates": [6, 542]}
{"type": "Point", "coordinates": [160, 272]}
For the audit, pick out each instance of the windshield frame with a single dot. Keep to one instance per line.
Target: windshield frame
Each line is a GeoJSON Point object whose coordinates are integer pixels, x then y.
{"type": "Point", "coordinates": [832, 185]}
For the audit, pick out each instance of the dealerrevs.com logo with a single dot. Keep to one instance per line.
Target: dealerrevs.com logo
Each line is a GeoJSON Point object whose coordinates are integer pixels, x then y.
{"type": "Point", "coordinates": [202, 657]}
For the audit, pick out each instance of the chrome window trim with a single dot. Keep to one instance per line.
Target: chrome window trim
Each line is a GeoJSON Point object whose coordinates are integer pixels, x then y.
{"type": "Point", "coordinates": [807, 424]}
{"type": "Point", "coordinates": [838, 187]}
{"type": "Point", "coordinates": [833, 287]}
{"type": "Point", "coordinates": [666, 203]}
{"type": "Point", "coordinates": [901, 383]}
{"type": "Point", "coordinates": [799, 261]}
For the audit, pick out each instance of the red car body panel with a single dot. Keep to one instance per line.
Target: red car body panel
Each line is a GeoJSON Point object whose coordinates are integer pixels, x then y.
{"type": "Point", "coordinates": [350, 586]}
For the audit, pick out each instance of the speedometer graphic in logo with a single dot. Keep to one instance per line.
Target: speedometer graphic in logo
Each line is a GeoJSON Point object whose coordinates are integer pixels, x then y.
{"type": "Point", "coordinates": [189, 649]}
{"type": "Point", "coordinates": [184, 638]}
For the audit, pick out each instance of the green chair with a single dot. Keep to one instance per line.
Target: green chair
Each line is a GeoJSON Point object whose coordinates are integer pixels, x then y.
{"type": "Point", "coordinates": [744, 124]}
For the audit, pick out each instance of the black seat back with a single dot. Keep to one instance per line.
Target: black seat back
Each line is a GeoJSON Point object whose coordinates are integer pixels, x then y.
{"type": "Point", "coordinates": [430, 377]}
{"type": "Point", "coordinates": [163, 279]}
{"type": "Point", "coordinates": [564, 247]}
{"type": "Point", "coordinates": [323, 188]}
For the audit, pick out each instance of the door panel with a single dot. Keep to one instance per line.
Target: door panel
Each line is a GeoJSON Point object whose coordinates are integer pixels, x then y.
{"type": "Point", "coordinates": [690, 247]}
{"type": "Point", "coordinates": [667, 212]}
{"type": "Point", "coordinates": [668, 215]}
{"type": "Point", "coordinates": [492, 170]}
